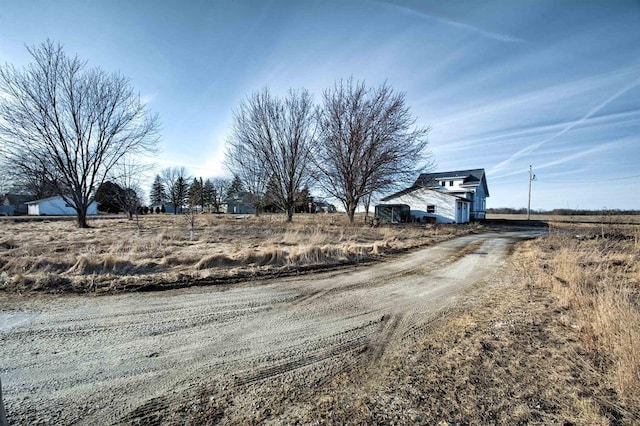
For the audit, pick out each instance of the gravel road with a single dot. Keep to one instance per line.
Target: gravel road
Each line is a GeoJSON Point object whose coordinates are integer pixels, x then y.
{"type": "Point", "coordinates": [125, 358]}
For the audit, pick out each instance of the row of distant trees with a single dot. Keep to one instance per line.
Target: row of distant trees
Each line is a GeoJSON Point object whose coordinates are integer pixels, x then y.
{"type": "Point", "coordinates": [176, 188]}
{"type": "Point", "coordinates": [564, 212]}
{"type": "Point", "coordinates": [67, 128]}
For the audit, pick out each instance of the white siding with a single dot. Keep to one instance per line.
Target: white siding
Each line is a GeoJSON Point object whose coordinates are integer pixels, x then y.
{"type": "Point", "coordinates": [445, 204]}
{"type": "Point", "coordinates": [56, 206]}
{"type": "Point", "coordinates": [455, 187]}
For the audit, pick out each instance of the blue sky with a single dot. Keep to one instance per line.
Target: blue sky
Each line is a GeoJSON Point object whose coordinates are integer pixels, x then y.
{"type": "Point", "coordinates": [503, 84]}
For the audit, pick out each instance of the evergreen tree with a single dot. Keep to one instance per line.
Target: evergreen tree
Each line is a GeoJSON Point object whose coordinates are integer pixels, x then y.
{"type": "Point", "coordinates": [303, 200]}
{"type": "Point", "coordinates": [236, 186]}
{"type": "Point", "coordinates": [195, 193]}
{"type": "Point", "coordinates": [179, 193]}
{"type": "Point", "coordinates": [107, 196]}
{"type": "Point", "coordinates": [177, 184]}
{"type": "Point", "coordinates": [158, 194]}
{"type": "Point", "coordinates": [209, 194]}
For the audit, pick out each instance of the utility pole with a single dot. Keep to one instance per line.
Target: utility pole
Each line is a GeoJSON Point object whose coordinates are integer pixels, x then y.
{"type": "Point", "coordinates": [532, 177]}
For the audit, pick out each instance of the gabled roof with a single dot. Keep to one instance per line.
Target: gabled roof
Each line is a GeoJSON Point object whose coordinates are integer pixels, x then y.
{"type": "Point", "coordinates": [43, 199]}
{"type": "Point", "coordinates": [472, 178]}
{"type": "Point", "coordinates": [51, 198]}
{"type": "Point", "coordinates": [417, 187]}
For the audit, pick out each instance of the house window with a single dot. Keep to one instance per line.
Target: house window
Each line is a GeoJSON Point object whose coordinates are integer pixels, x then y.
{"type": "Point", "coordinates": [450, 183]}
{"type": "Point", "coordinates": [431, 209]}
{"type": "Point", "coordinates": [443, 183]}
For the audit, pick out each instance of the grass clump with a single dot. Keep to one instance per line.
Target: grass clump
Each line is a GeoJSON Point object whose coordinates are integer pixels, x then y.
{"type": "Point", "coordinates": [119, 255]}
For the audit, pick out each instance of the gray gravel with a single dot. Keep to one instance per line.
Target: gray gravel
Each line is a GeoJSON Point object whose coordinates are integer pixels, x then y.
{"type": "Point", "coordinates": [120, 359]}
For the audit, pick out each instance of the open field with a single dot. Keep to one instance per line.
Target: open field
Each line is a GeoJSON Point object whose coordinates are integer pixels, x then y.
{"type": "Point", "coordinates": [480, 329]}
{"type": "Point", "coordinates": [595, 219]}
{"type": "Point", "coordinates": [115, 255]}
{"type": "Point", "coordinates": [246, 353]}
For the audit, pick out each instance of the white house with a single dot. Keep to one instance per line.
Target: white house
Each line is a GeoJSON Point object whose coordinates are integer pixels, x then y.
{"type": "Point", "coordinates": [56, 206]}
{"type": "Point", "coordinates": [469, 184]}
{"type": "Point", "coordinates": [449, 197]}
{"type": "Point", "coordinates": [425, 202]}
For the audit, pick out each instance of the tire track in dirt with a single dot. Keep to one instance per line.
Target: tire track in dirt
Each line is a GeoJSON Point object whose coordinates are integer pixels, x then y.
{"type": "Point", "coordinates": [134, 358]}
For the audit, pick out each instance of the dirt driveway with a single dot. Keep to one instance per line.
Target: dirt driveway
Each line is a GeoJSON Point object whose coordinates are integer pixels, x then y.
{"type": "Point", "coordinates": [141, 358]}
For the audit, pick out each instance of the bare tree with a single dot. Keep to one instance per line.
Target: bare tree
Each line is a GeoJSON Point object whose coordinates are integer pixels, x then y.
{"type": "Point", "coordinates": [368, 142]}
{"type": "Point", "coordinates": [279, 134]}
{"type": "Point", "coordinates": [217, 192]}
{"type": "Point", "coordinates": [70, 121]}
{"type": "Point", "coordinates": [251, 171]}
{"type": "Point", "coordinates": [176, 181]}
{"type": "Point", "coordinates": [128, 175]}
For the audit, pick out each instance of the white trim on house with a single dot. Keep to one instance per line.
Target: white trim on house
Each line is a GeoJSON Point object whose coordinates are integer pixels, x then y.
{"type": "Point", "coordinates": [469, 184]}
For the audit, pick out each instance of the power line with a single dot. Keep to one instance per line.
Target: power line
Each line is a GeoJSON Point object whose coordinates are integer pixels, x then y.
{"type": "Point", "coordinates": [588, 181]}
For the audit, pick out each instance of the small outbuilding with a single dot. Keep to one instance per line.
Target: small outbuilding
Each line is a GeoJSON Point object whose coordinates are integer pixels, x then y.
{"type": "Point", "coordinates": [393, 213]}
{"type": "Point", "coordinates": [56, 206]}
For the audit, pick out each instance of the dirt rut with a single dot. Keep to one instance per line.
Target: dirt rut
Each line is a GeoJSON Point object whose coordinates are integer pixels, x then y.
{"type": "Point", "coordinates": [135, 358]}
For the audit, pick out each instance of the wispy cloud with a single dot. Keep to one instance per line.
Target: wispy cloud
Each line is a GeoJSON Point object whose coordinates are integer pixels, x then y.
{"type": "Point", "coordinates": [455, 24]}
{"type": "Point", "coordinates": [604, 147]}
{"type": "Point", "coordinates": [524, 151]}
{"type": "Point", "coordinates": [510, 135]}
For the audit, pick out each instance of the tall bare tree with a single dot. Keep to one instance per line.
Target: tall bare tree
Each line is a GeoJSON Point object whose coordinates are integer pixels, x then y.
{"type": "Point", "coordinates": [368, 142]}
{"type": "Point", "coordinates": [279, 134]}
{"type": "Point", "coordinates": [70, 121]}
{"type": "Point", "coordinates": [249, 170]}
{"type": "Point", "coordinates": [128, 174]}
{"type": "Point", "coordinates": [176, 181]}
{"type": "Point", "coordinates": [219, 187]}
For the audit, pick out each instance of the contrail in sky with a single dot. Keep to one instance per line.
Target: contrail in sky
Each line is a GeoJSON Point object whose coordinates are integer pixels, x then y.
{"type": "Point", "coordinates": [467, 27]}
{"type": "Point", "coordinates": [570, 126]}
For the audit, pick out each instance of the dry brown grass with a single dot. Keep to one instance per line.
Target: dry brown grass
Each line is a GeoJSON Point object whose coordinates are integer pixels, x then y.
{"type": "Point", "coordinates": [115, 255]}
{"type": "Point", "coordinates": [550, 341]}
{"type": "Point", "coordinates": [605, 219]}
{"type": "Point", "coordinates": [595, 276]}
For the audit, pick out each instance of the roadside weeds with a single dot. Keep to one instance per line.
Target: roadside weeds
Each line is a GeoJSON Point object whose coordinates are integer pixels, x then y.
{"type": "Point", "coordinates": [114, 256]}
{"type": "Point", "coordinates": [528, 349]}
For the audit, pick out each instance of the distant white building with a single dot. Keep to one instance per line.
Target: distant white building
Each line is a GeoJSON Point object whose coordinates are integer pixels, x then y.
{"type": "Point", "coordinates": [447, 197]}
{"type": "Point", "coordinates": [56, 206]}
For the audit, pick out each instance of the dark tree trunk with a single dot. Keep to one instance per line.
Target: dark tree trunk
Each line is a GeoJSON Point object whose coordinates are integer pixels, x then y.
{"type": "Point", "coordinates": [367, 203]}
{"type": "Point", "coordinates": [351, 211]}
{"type": "Point", "coordinates": [81, 218]}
